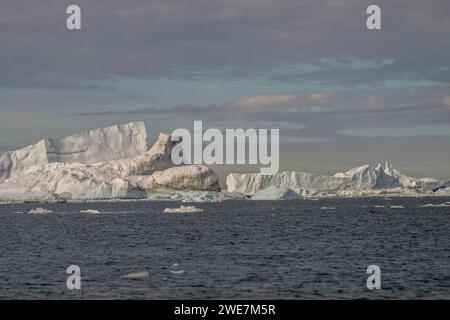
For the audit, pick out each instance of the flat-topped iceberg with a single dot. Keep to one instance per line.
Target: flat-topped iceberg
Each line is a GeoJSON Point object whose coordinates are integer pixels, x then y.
{"type": "Point", "coordinates": [361, 181]}
{"type": "Point", "coordinates": [104, 144]}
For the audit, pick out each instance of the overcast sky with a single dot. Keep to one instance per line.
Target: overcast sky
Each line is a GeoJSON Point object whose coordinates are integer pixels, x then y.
{"type": "Point", "coordinates": [342, 95]}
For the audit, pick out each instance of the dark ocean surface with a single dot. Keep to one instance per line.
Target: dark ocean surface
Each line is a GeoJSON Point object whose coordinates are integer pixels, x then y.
{"type": "Point", "coordinates": [232, 250]}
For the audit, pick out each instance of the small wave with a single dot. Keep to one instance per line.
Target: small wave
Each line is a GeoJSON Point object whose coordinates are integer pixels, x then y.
{"type": "Point", "coordinates": [176, 269]}
{"type": "Point", "coordinates": [431, 205]}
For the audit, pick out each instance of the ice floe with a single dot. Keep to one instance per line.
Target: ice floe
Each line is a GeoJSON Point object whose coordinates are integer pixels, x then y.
{"type": "Point", "coordinates": [183, 209]}
{"type": "Point", "coordinates": [91, 211]}
{"type": "Point", "coordinates": [136, 275]}
{"type": "Point", "coordinates": [40, 211]}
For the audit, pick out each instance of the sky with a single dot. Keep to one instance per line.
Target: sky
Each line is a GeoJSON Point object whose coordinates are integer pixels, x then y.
{"type": "Point", "coordinates": [341, 95]}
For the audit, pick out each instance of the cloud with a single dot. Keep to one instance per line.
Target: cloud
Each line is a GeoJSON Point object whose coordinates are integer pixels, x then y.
{"type": "Point", "coordinates": [222, 39]}
{"type": "Point", "coordinates": [264, 101]}
{"type": "Point", "coordinates": [280, 100]}
{"type": "Point", "coordinates": [428, 131]}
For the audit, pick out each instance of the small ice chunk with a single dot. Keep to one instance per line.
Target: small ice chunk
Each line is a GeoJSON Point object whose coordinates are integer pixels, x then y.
{"type": "Point", "coordinates": [328, 208]}
{"type": "Point", "coordinates": [183, 209]}
{"type": "Point", "coordinates": [40, 211]}
{"type": "Point", "coordinates": [136, 275]}
{"type": "Point", "coordinates": [91, 211]}
{"type": "Point", "coordinates": [181, 271]}
{"type": "Point", "coordinates": [397, 207]}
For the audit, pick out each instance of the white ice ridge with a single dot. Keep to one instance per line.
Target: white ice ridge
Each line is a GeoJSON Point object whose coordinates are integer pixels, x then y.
{"type": "Point", "coordinates": [111, 143]}
{"type": "Point", "coordinates": [357, 181]}
{"type": "Point", "coordinates": [133, 177]}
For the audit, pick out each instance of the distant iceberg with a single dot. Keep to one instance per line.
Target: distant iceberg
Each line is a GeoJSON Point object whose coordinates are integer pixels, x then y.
{"type": "Point", "coordinates": [360, 181]}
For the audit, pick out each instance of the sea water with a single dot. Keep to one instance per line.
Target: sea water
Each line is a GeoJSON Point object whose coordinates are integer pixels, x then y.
{"type": "Point", "coordinates": [232, 250]}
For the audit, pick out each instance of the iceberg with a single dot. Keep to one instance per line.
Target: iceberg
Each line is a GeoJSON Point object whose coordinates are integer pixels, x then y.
{"type": "Point", "coordinates": [360, 181]}
{"type": "Point", "coordinates": [111, 143]}
{"type": "Point", "coordinates": [132, 177]}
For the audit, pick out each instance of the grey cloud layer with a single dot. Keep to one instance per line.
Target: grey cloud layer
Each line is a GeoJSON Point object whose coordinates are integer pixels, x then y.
{"type": "Point", "coordinates": [170, 37]}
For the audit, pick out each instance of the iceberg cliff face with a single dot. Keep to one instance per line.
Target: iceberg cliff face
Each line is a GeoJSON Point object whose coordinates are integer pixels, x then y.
{"type": "Point", "coordinates": [363, 178]}
{"type": "Point", "coordinates": [111, 143]}
{"type": "Point", "coordinates": [133, 177]}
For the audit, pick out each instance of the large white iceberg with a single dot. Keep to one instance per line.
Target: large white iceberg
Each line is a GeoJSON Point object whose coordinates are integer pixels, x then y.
{"type": "Point", "coordinates": [132, 177]}
{"type": "Point", "coordinates": [363, 180]}
{"type": "Point", "coordinates": [111, 143]}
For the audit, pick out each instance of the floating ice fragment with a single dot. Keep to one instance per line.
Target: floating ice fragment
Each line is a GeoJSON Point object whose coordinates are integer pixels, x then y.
{"type": "Point", "coordinates": [183, 209]}
{"type": "Point", "coordinates": [136, 275]}
{"type": "Point", "coordinates": [91, 211]}
{"type": "Point", "coordinates": [40, 211]}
